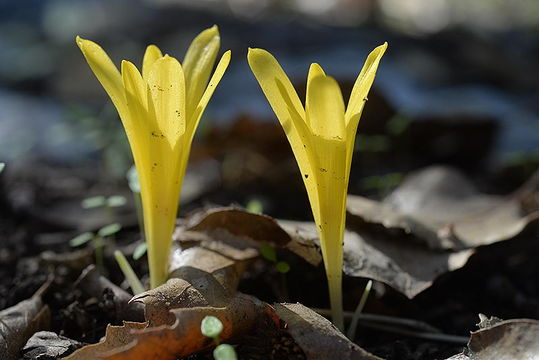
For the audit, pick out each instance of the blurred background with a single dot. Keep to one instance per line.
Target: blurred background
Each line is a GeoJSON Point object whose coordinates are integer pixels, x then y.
{"type": "Point", "coordinates": [459, 85]}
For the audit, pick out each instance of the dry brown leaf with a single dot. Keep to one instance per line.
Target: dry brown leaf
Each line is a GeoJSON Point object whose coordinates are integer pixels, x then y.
{"type": "Point", "coordinates": [441, 207]}
{"type": "Point", "coordinates": [18, 323]}
{"type": "Point", "coordinates": [134, 341]}
{"type": "Point", "coordinates": [405, 266]}
{"type": "Point", "coordinates": [506, 340]}
{"type": "Point", "coordinates": [241, 230]}
{"type": "Point", "coordinates": [317, 336]}
{"type": "Point", "coordinates": [92, 284]}
{"type": "Point", "coordinates": [116, 336]}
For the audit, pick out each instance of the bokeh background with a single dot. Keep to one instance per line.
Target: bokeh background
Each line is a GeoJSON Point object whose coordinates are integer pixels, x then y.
{"type": "Point", "coordinates": [458, 85]}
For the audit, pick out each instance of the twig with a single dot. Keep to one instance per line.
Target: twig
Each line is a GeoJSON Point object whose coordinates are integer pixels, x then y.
{"type": "Point", "coordinates": [453, 339]}
{"type": "Point", "coordinates": [385, 319]}
{"type": "Point", "coordinates": [351, 334]}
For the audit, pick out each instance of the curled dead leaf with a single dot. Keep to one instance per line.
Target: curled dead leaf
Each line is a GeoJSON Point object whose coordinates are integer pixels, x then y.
{"type": "Point", "coordinates": [19, 322]}
{"type": "Point", "coordinates": [92, 284]}
{"type": "Point", "coordinates": [235, 228]}
{"type": "Point", "coordinates": [516, 339]}
{"type": "Point", "coordinates": [317, 336]}
{"type": "Point", "coordinates": [135, 341]}
{"type": "Point", "coordinates": [439, 206]}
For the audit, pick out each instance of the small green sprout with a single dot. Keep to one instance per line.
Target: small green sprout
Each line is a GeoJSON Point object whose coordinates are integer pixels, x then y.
{"type": "Point", "coordinates": [270, 254]}
{"type": "Point", "coordinates": [382, 183]}
{"type": "Point", "coordinates": [97, 239]}
{"type": "Point", "coordinates": [107, 203]}
{"type": "Point", "coordinates": [212, 328]}
{"type": "Point", "coordinates": [255, 206]}
{"type": "Point", "coordinates": [351, 334]}
{"type": "Point", "coordinates": [140, 250]}
{"type": "Point", "coordinates": [397, 124]}
{"type": "Point", "coordinates": [129, 273]}
{"type": "Point", "coordinates": [102, 201]}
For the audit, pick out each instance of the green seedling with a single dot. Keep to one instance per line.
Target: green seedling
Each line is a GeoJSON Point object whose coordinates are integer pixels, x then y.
{"type": "Point", "coordinates": [255, 206]}
{"type": "Point", "coordinates": [140, 250]}
{"type": "Point", "coordinates": [382, 183]}
{"type": "Point", "coordinates": [397, 124]}
{"type": "Point", "coordinates": [269, 253]}
{"type": "Point", "coordinates": [282, 267]}
{"type": "Point", "coordinates": [212, 328]}
{"type": "Point", "coordinates": [355, 318]}
{"type": "Point", "coordinates": [107, 203]}
{"type": "Point", "coordinates": [130, 275]}
{"type": "Point", "coordinates": [98, 241]}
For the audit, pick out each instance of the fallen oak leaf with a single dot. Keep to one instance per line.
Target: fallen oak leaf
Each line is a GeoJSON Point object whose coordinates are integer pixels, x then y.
{"type": "Point", "coordinates": [439, 206]}
{"type": "Point", "coordinates": [516, 339]}
{"type": "Point", "coordinates": [317, 336]}
{"type": "Point", "coordinates": [184, 337]}
{"type": "Point", "coordinates": [407, 267]}
{"type": "Point", "coordinates": [19, 322]}
{"type": "Point", "coordinates": [198, 277]}
{"type": "Point", "coordinates": [115, 336]}
{"type": "Point", "coordinates": [248, 229]}
{"type": "Point", "coordinates": [46, 345]}
{"type": "Point", "coordinates": [92, 284]}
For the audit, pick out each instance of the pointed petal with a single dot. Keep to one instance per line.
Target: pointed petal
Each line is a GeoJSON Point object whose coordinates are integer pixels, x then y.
{"type": "Point", "coordinates": [167, 87]}
{"type": "Point", "coordinates": [325, 107]}
{"type": "Point", "coordinates": [314, 71]}
{"type": "Point", "coordinates": [363, 84]}
{"type": "Point", "coordinates": [105, 71]}
{"type": "Point", "coordinates": [286, 104]}
{"type": "Point", "coordinates": [276, 85]}
{"type": "Point", "coordinates": [136, 95]}
{"type": "Point", "coordinates": [198, 64]}
{"type": "Point", "coordinates": [215, 79]}
{"type": "Point", "coordinates": [150, 56]}
{"type": "Point", "coordinates": [358, 98]}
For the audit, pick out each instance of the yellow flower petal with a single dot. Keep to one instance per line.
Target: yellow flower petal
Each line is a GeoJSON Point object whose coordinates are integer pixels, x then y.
{"type": "Point", "coordinates": [324, 107]}
{"type": "Point", "coordinates": [212, 85]}
{"type": "Point", "coordinates": [136, 95]}
{"type": "Point", "coordinates": [363, 84]}
{"type": "Point", "coordinates": [198, 64]}
{"type": "Point", "coordinates": [167, 86]}
{"type": "Point", "coordinates": [288, 108]}
{"type": "Point", "coordinates": [106, 72]}
{"type": "Point", "coordinates": [150, 56]}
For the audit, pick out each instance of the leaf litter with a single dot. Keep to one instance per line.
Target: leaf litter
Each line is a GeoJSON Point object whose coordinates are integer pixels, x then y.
{"type": "Point", "coordinates": [422, 235]}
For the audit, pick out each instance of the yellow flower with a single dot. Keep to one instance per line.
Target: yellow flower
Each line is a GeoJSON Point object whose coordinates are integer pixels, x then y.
{"type": "Point", "coordinates": [322, 138]}
{"type": "Point", "coordinates": [160, 111]}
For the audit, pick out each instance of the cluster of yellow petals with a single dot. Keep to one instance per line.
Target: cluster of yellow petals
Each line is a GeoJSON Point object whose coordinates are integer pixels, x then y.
{"type": "Point", "coordinates": [322, 136]}
{"type": "Point", "coordinates": [160, 110]}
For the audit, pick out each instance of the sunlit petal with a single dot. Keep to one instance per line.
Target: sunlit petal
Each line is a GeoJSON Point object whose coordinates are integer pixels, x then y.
{"type": "Point", "coordinates": [363, 84]}
{"type": "Point", "coordinates": [167, 87]}
{"type": "Point", "coordinates": [105, 71]}
{"type": "Point", "coordinates": [325, 107]}
{"type": "Point", "coordinates": [198, 64]}
{"type": "Point", "coordinates": [212, 85]}
{"type": "Point", "coordinates": [288, 108]}
{"type": "Point", "coordinates": [150, 56]}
